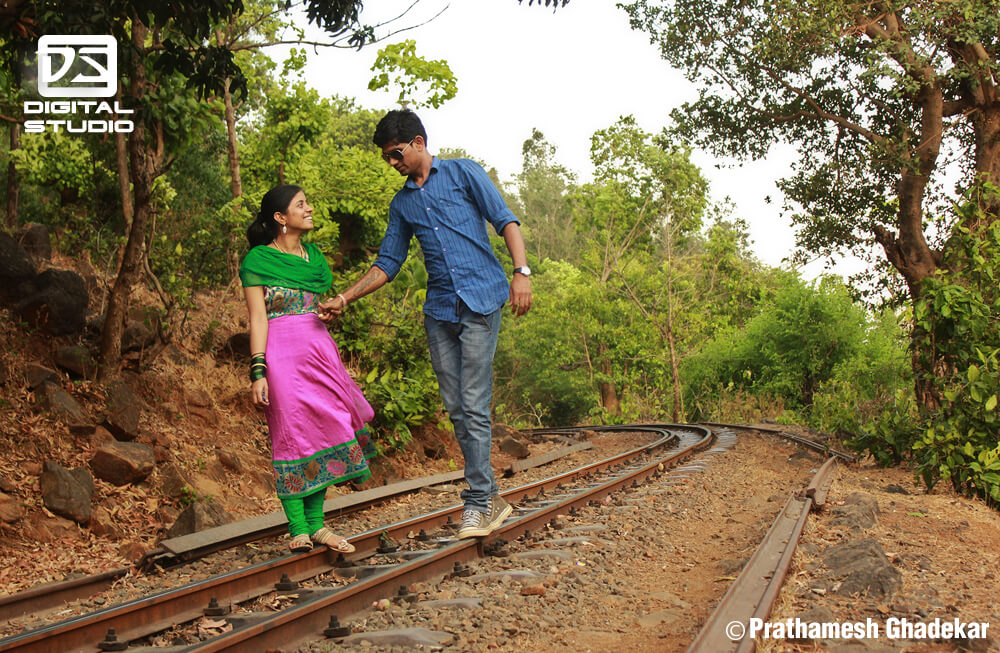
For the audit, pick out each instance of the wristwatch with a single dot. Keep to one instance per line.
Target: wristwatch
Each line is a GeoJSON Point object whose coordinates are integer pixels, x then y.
{"type": "Point", "coordinates": [524, 269]}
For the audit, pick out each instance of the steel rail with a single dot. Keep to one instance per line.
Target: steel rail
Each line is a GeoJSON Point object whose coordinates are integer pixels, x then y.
{"type": "Point", "coordinates": [307, 620]}
{"type": "Point", "coordinates": [755, 589]}
{"type": "Point", "coordinates": [141, 617]}
{"type": "Point", "coordinates": [806, 442]}
{"type": "Point", "coordinates": [177, 551]}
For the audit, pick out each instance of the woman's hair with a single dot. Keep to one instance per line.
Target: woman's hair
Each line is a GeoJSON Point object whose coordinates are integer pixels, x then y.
{"type": "Point", "coordinates": [265, 229]}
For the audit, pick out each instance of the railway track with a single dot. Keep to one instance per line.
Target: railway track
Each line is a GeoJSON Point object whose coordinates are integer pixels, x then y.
{"type": "Point", "coordinates": [376, 570]}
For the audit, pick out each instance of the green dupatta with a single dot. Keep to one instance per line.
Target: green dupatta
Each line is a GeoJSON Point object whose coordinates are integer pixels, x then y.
{"type": "Point", "coordinates": [266, 266]}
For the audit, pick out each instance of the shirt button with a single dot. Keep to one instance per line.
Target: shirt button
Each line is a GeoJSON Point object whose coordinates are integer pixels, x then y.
{"type": "Point", "coordinates": [459, 292]}
{"type": "Point", "coordinates": [435, 228]}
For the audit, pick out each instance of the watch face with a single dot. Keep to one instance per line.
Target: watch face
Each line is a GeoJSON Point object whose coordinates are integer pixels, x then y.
{"type": "Point", "coordinates": [524, 269]}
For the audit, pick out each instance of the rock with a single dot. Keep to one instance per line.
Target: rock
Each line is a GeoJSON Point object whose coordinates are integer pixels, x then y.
{"type": "Point", "coordinates": [100, 436]}
{"type": "Point", "coordinates": [501, 431]}
{"type": "Point", "coordinates": [172, 482]}
{"type": "Point", "coordinates": [67, 493]}
{"type": "Point", "coordinates": [76, 360]}
{"type": "Point", "coordinates": [7, 485]}
{"type": "Point", "coordinates": [121, 463]}
{"type": "Point", "coordinates": [229, 460]}
{"type": "Point", "coordinates": [47, 529]}
{"type": "Point", "coordinates": [817, 614]}
{"type": "Point", "coordinates": [132, 551]}
{"type": "Point", "coordinates": [533, 590]}
{"type": "Point", "coordinates": [10, 509]}
{"type": "Point", "coordinates": [896, 489]}
{"type": "Point", "coordinates": [858, 511]}
{"type": "Point", "coordinates": [862, 568]}
{"type": "Point", "coordinates": [137, 336]}
{"type": "Point", "coordinates": [15, 266]}
{"type": "Point", "coordinates": [238, 346]}
{"type": "Point", "coordinates": [37, 375]}
{"type": "Point", "coordinates": [199, 406]}
{"type": "Point", "coordinates": [123, 410]}
{"type": "Point", "coordinates": [199, 516]}
{"type": "Point", "coordinates": [55, 300]}
{"type": "Point", "coordinates": [102, 524]}
{"type": "Point", "coordinates": [34, 238]}
{"type": "Point", "coordinates": [64, 408]}
{"type": "Point", "coordinates": [514, 447]}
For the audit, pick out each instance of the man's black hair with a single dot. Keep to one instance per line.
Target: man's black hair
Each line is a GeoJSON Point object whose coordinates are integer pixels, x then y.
{"type": "Point", "coordinates": [399, 126]}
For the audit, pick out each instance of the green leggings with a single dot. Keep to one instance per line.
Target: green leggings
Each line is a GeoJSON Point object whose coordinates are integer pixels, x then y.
{"type": "Point", "coordinates": [305, 514]}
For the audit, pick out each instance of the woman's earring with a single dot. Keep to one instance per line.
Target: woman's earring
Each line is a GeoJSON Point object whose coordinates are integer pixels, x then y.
{"type": "Point", "coordinates": [284, 229]}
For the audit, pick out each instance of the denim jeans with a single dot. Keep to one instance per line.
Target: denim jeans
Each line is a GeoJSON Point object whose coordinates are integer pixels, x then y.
{"type": "Point", "coordinates": [462, 355]}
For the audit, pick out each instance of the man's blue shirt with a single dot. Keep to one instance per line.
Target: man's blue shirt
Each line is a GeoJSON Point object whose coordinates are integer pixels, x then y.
{"type": "Point", "coordinates": [448, 215]}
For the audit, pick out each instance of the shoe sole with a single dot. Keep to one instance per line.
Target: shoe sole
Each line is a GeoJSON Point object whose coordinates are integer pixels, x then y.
{"type": "Point", "coordinates": [489, 528]}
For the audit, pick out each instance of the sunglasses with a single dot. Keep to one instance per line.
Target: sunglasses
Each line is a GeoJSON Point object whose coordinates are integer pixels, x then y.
{"type": "Point", "coordinates": [396, 154]}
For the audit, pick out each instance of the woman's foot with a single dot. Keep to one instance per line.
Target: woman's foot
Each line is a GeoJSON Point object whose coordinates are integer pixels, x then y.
{"type": "Point", "coordinates": [330, 539]}
{"type": "Point", "coordinates": [300, 543]}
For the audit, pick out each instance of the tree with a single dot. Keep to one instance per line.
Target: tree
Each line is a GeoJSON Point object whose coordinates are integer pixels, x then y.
{"type": "Point", "coordinates": [421, 83]}
{"type": "Point", "coordinates": [882, 99]}
{"type": "Point", "coordinates": [542, 188]}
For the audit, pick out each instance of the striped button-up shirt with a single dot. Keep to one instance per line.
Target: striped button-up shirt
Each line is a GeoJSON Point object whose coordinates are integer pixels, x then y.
{"type": "Point", "coordinates": [448, 215]}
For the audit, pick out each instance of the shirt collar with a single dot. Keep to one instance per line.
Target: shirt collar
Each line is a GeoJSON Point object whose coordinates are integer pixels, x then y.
{"type": "Point", "coordinates": [434, 167]}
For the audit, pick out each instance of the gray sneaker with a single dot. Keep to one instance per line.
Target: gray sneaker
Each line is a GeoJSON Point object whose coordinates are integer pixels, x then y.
{"type": "Point", "coordinates": [477, 524]}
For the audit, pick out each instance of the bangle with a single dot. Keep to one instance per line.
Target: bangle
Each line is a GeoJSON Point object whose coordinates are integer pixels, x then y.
{"type": "Point", "coordinates": [343, 299]}
{"type": "Point", "coordinates": [258, 367]}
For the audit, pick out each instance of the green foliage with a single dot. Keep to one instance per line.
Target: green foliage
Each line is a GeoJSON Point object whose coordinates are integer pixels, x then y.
{"type": "Point", "coordinates": [421, 82]}
{"type": "Point", "coordinates": [787, 351]}
{"type": "Point", "coordinates": [383, 336]}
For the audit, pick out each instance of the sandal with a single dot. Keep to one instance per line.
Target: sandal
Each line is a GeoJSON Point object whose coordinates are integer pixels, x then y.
{"type": "Point", "coordinates": [328, 538]}
{"type": "Point", "coordinates": [300, 543]}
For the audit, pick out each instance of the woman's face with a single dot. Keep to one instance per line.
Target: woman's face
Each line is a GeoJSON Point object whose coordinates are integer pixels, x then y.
{"type": "Point", "coordinates": [298, 215]}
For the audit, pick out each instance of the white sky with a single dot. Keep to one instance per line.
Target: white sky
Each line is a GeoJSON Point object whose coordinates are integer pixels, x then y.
{"type": "Point", "coordinates": [567, 73]}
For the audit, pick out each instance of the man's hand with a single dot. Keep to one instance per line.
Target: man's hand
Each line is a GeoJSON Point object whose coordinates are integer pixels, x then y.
{"type": "Point", "coordinates": [331, 308]}
{"type": "Point", "coordinates": [520, 294]}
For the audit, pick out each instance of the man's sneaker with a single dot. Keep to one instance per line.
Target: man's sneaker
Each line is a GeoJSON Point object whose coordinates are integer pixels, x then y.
{"type": "Point", "coordinates": [477, 524]}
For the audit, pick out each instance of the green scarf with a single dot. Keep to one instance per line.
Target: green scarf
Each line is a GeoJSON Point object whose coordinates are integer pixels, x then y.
{"type": "Point", "coordinates": [266, 266]}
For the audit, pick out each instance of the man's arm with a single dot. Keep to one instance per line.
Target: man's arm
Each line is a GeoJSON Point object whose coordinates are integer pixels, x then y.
{"type": "Point", "coordinates": [374, 279]}
{"type": "Point", "coordinates": [520, 285]}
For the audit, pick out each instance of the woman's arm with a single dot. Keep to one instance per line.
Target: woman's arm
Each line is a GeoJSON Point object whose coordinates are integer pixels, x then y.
{"type": "Point", "coordinates": [258, 337]}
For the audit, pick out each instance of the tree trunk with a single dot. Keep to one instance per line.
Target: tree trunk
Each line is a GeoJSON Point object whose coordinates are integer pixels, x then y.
{"type": "Point", "coordinates": [235, 184]}
{"type": "Point", "coordinates": [609, 396]}
{"type": "Point", "coordinates": [143, 164]}
{"type": "Point", "coordinates": [13, 186]}
{"type": "Point", "coordinates": [986, 123]}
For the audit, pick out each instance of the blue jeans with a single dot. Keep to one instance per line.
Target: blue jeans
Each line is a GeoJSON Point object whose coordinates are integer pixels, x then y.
{"type": "Point", "coordinates": [462, 355]}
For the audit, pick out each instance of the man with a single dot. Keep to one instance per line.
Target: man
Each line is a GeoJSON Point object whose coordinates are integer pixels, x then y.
{"type": "Point", "coordinates": [446, 204]}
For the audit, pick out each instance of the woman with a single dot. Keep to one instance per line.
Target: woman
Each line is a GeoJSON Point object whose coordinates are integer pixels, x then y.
{"type": "Point", "coordinates": [315, 412]}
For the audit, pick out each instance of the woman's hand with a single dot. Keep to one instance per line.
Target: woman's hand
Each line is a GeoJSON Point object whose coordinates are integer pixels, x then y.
{"type": "Point", "coordinates": [332, 308]}
{"type": "Point", "coordinates": [259, 390]}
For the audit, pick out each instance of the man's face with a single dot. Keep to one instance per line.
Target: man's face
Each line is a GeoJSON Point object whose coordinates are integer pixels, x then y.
{"type": "Point", "coordinates": [402, 156]}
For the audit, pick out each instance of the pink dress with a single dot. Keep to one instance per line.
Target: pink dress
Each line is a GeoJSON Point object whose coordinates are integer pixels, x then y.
{"type": "Point", "coordinates": [317, 413]}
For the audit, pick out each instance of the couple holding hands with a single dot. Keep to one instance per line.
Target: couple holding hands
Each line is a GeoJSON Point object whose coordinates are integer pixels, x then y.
{"type": "Point", "coordinates": [316, 414]}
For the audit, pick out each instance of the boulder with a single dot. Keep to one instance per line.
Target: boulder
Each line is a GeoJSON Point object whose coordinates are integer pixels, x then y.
{"type": "Point", "coordinates": [10, 508]}
{"type": "Point", "coordinates": [137, 336]}
{"type": "Point", "coordinates": [862, 567]}
{"type": "Point", "coordinates": [123, 411]}
{"type": "Point", "coordinates": [199, 516]}
{"type": "Point", "coordinates": [55, 300]}
{"type": "Point", "coordinates": [859, 511]}
{"type": "Point", "coordinates": [238, 346]}
{"type": "Point", "coordinates": [198, 404]}
{"type": "Point", "coordinates": [61, 405]}
{"type": "Point", "coordinates": [35, 240]}
{"type": "Point", "coordinates": [37, 375]}
{"type": "Point", "coordinates": [229, 460]}
{"type": "Point", "coordinates": [68, 493]}
{"type": "Point", "coordinates": [171, 481]}
{"type": "Point", "coordinates": [121, 463]}
{"type": "Point", "coordinates": [102, 524]}
{"type": "Point", "coordinates": [514, 447]}
{"type": "Point", "coordinates": [15, 266]}
{"type": "Point", "coordinates": [76, 360]}
{"type": "Point", "coordinates": [42, 528]}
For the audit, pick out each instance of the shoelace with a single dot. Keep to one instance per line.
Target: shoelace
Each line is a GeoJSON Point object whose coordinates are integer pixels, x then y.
{"type": "Point", "coordinates": [470, 517]}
